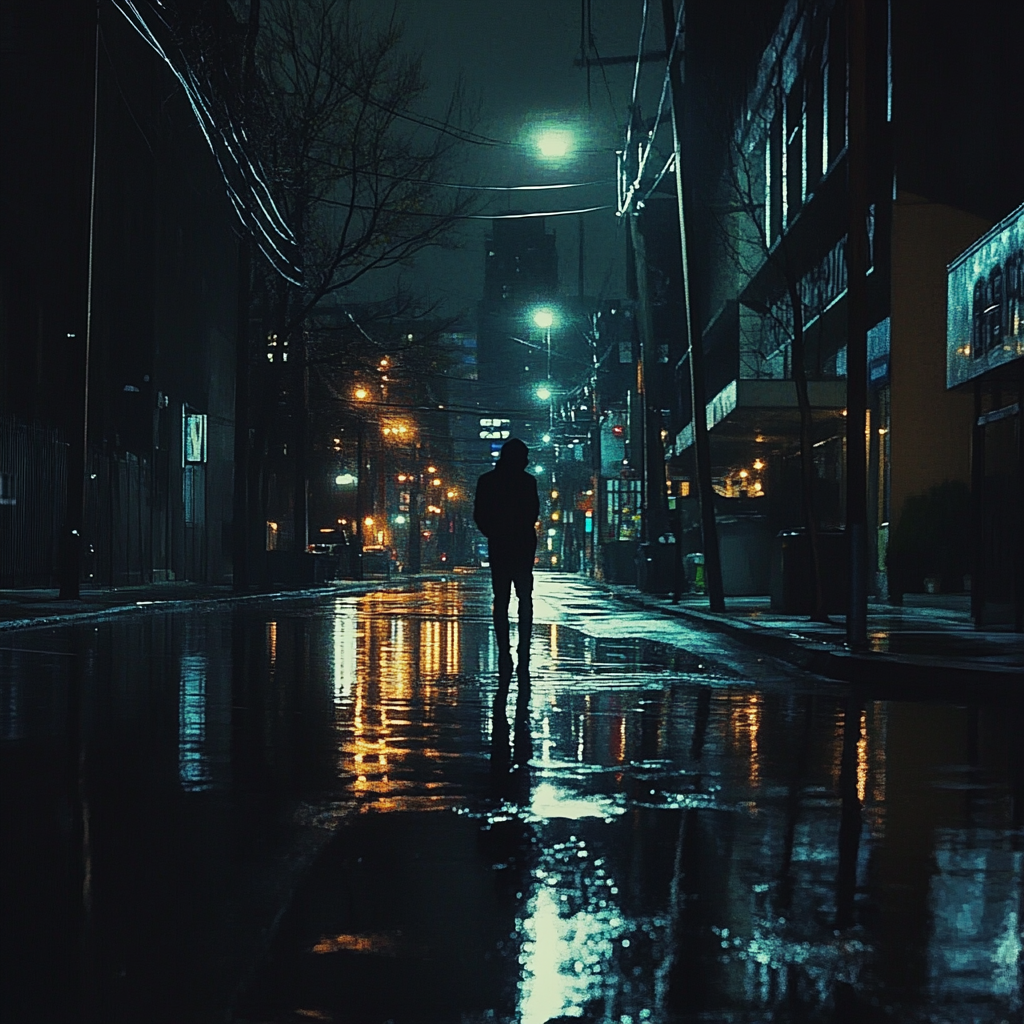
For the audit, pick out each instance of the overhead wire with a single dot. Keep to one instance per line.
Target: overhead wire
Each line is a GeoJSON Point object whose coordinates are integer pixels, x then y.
{"type": "Point", "coordinates": [375, 173]}
{"type": "Point", "coordinates": [645, 152]}
{"type": "Point", "coordinates": [266, 223]}
{"type": "Point", "coordinates": [464, 216]}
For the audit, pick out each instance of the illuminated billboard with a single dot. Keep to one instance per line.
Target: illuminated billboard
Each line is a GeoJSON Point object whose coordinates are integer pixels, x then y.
{"type": "Point", "coordinates": [985, 303]}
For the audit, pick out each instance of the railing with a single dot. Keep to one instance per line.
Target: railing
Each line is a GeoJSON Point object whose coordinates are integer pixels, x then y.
{"type": "Point", "coordinates": [119, 522]}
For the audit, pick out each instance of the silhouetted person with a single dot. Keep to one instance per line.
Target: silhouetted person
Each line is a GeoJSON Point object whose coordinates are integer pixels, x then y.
{"type": "Point", "coordinates": [506, 511]}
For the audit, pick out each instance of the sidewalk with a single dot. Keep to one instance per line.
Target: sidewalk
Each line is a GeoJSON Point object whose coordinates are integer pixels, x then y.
{"type": "Point", "coordinates": [21, 608]}
{"type": "Point", "coordinates": [931, 643]}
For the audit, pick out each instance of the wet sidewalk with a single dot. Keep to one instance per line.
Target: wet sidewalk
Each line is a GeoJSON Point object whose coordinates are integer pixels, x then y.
{"type": "Point", "coordinates": [929, 643]}
{"type": "Point", "coordinates": [933, 643]}
{"type": "Point", "coordinates": [331, 808]}
{"type": "Point", "coordinates": [22, 607]}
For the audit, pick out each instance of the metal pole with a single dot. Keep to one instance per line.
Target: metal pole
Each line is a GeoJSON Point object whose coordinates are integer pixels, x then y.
{"type": "Point", "coordinates": [857, 345]}
{"type": "Point", "coordinates": [78, 460]}
{"type": "Point", "coordinates": [698, 398]}
{"type": "Point", "coordinates": [240, 513]}
{"type": "Point", "coordinates": [580, 274]}
{"type": "Point", "coordinates": [357, 563]}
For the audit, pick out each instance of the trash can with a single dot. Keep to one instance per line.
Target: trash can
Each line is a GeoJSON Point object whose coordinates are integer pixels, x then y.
{"type": "Point", "coordinates": [693, 570]}
{"type": "Point", "coordinates": [617, 561]}
{"type": "Point", "coordinates": [791, 579]}
{"type": "Point", "coordinates": [654, 568]}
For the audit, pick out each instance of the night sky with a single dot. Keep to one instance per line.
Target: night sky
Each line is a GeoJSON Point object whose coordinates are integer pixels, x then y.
{"type": "Point", "coordinates": [515, 61]}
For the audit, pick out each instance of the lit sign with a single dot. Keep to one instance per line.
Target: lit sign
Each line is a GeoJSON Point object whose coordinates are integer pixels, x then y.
{"type": "Point", "coordinates": [193, 436]}
{"type": "Point", "coordinates": [985, 303]}
{"type": "Point", "coordinates": [494, 429]}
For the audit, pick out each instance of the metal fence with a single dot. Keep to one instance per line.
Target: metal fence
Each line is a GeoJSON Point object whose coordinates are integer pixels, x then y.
{"type": "Point", "coordinates": [119, 518]}
{"type": "Point", "coordinates": [118, 527]}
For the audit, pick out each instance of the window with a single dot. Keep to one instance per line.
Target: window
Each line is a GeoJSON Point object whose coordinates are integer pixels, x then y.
{"type": "Point", "coordinates": [994, 313]}
{"type": "Point", "coordinates": [796, 154]}
{"type": "Point", "coordinates": [814, 124]}
{"type": "Point", "coordinates": [978, 319]}
{"type": "Point", "coordinates": [836, 89]}
{"type": "Point", "coordinates": [773, 181]}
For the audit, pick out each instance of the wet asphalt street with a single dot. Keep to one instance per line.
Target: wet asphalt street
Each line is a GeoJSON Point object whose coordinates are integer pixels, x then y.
{"type": "Point", "coordinates": [326, 810]}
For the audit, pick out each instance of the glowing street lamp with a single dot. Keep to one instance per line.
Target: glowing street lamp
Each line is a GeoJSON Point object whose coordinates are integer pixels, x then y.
{"type": "Point", "coordinates": [544, 318]}
{"type": "Point", "coordinates": [544, 394]}
{"type": "Point", "coordinates": [554, 143]}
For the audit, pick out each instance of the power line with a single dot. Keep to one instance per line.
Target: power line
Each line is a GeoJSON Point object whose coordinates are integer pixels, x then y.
{"type": "Point", "coordinates": [462, 185]}
{"type": "Point", "coordinates": [461, 216]}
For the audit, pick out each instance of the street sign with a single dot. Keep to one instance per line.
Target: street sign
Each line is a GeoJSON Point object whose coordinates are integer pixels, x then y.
{"type": "Point", "coordinates": [492, 429]}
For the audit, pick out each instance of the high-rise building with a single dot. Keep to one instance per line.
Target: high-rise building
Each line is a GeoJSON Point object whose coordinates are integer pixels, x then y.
{"type": "Point", "coordinates": [520, 272]}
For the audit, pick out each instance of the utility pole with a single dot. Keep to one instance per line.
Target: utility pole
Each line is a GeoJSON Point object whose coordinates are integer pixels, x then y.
{"type": "Point", "coordinates": [243, 538]}
{"type": "Point", "coordinates": [415, 555]}
{"type": "Point", "coordinates": [652, 463]}
{"type": "Point", "coordinates": [70, 554]}
{"type": "Point", "coordinates": [240, 534]}
{"type": "Point", "coordinates": [698, 397]}
{"type": "Point", "coordinates": [357, 540]}
{"type": "Point", "coordinates": [856, 344]}
{"type": "Point", "coordinates": [301, 425]}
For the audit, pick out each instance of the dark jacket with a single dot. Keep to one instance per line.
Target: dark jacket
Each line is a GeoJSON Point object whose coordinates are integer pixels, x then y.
{"type": "Point", "coordinates": [506, 510]}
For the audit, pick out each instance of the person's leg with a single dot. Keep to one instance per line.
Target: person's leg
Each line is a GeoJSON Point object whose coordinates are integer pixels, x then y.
{"type": "Point", "coordinates": [501, 584]}
{"type": "Point", "coordinates": [523, 580]}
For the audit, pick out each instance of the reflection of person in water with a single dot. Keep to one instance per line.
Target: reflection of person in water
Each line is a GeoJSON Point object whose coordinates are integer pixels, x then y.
{"type": "Point", "coordinates": [510, 767]}
{"type": "Point", "coordinates": [506, 511]}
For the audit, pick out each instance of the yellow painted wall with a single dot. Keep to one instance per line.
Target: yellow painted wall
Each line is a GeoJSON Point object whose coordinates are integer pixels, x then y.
{"type": "Point", "coordinates": [931, 427]}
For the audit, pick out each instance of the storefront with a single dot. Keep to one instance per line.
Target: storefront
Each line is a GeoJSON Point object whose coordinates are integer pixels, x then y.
{"type": "Point", "coordinates": [985, 352]}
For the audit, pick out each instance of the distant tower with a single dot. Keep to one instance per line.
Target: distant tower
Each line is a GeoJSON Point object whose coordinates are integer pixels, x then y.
{"type": "Point", "coordinates": [520, 272]}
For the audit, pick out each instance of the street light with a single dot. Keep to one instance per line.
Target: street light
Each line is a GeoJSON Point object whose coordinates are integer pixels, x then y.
{"type": "Point", "coordinates": [346, 479]}
{"type": "Point", "coordinates": [544, 394]}
{"type": "Point", "coordinates": [554, 143]}
{"type": "Point", "coordinates": [544, 318]}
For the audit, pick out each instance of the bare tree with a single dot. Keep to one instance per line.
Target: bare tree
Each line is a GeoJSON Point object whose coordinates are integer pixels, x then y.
{"type": "Point", "coordinates": [356, 173]}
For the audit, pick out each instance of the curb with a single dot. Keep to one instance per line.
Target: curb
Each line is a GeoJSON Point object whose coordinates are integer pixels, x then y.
{"type": "Point", "coordinates": [185, 603]}
{"type": "Point", "coordinates": [884, 670]}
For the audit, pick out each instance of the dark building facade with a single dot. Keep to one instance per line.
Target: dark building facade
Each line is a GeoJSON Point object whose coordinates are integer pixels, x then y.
{"type": "Point", "coordinates": [985, 359]}
{"type": "Point", "coordinates": [520, 272]}
{"type": "Point", "coordinates": [131, 248]}
{"type": "Point", "coordinates": [769, 215]}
